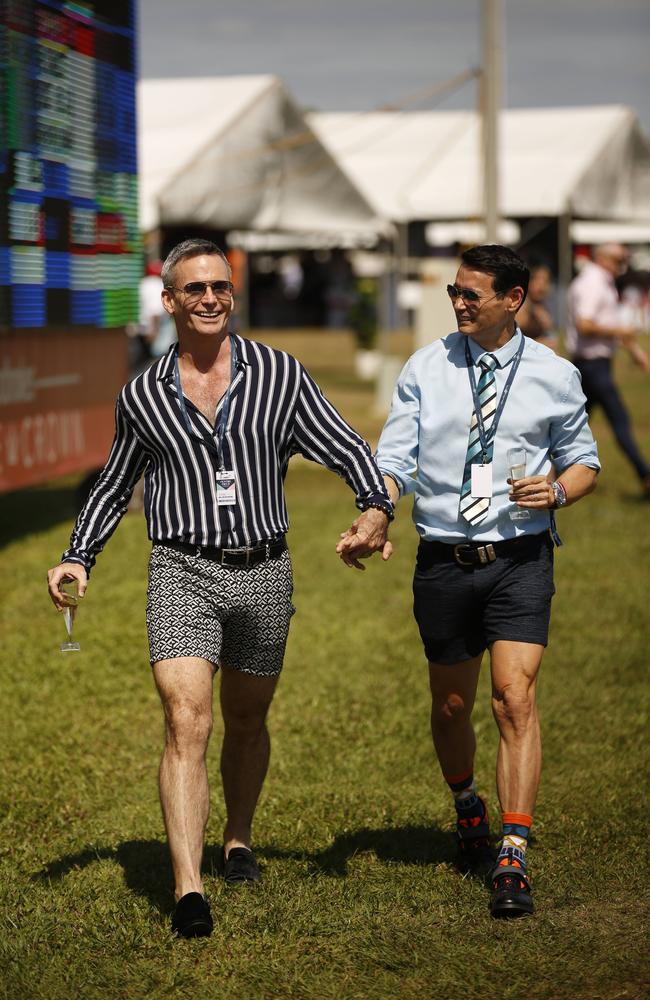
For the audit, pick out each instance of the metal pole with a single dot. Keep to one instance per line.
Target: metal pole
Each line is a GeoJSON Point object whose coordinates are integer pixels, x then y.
{"type": "Point", "coordinates": [565, 266]}
{"type": "Point", "coordinates": [490, 103]}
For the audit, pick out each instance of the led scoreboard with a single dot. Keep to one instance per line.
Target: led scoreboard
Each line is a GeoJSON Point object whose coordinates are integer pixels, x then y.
{"type": "Point", "coordinates": [68, 188]}
{"type": "Point", "coordinates": [70, 255]}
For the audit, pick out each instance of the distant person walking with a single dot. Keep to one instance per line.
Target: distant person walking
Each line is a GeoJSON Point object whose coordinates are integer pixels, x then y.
{"type": "Point", "coordinates": [594, 332]}
{"type": "Point", "coordinates": [212, 426]}
{"type": "Point", "coordinates": [484, 571]}
{"type": "Point", "coordinates": [534, 318]}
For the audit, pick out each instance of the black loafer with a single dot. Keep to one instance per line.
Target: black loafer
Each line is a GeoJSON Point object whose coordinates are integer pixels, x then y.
{"type": "Point", "coordinates": [192, 917]}
{"type": "Point", "coordinates": [240, 866]}
{"type": "Point", "coordinates": [511, 893]}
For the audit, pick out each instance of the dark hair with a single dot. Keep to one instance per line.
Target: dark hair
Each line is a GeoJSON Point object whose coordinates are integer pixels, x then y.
{"type": "Point", "coordinates": [507, 268]}
{"type": "Point", "coordinates": [189, 248]}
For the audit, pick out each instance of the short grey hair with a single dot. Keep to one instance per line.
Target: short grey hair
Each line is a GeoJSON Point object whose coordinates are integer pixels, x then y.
{"type": "Point", "coordinates": [190, 248]}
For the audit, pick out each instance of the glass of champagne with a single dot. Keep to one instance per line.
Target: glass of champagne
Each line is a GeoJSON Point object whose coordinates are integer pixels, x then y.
{"type": "Point", "coordinates": [517, 466]}
{"type": "Point", "coordinates": [70, 594]}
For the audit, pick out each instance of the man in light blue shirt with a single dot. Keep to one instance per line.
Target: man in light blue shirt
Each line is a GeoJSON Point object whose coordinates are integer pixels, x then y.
{"type": "Point", "coordinates": [484, 573]}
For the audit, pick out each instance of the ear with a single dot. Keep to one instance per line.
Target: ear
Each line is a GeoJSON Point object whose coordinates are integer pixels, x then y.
{"type": "Point", "coordinates": [516, 298]}
{"type": "Point", "coordinates": [168, 301]}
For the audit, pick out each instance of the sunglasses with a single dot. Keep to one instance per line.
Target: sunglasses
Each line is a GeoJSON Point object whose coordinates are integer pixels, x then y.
{"type": "Point", "coordinates": [466, 294]}
{"type": "Point", "coordinates": [199, 288]}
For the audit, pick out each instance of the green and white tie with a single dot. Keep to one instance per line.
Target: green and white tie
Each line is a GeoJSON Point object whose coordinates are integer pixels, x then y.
{"type": "Point", "coordinates": [474, 509]}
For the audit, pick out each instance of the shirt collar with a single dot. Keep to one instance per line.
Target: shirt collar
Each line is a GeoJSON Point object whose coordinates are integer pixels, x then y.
{"type": "Point", "coordinates": [168, 360]}
{"type": "Point", "coordinates": [504, 355]}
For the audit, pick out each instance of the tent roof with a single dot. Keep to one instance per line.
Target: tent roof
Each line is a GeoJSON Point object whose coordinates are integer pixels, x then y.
{"type": "Point", "coordinates": [593, 161]}
{"type": "Point", "coordinates": [176, 118]}
{"type": "Point", "coordinates": [236, 152]}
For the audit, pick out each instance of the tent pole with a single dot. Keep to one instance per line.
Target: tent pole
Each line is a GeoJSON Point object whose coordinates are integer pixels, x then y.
{"type": "Point", "coordinates": [565, 265]}
{"type": "Point", "coordinates": [490, 102]}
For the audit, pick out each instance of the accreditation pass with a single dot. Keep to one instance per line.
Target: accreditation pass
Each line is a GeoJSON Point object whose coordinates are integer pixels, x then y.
{"type": "Point", "coordinates": [226, 489]}
{"type": "Point", "coordinates": [482, 480]}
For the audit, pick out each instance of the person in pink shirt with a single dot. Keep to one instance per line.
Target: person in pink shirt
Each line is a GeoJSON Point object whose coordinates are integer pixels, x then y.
{"type": "Point", "coordinates": [594, 333]}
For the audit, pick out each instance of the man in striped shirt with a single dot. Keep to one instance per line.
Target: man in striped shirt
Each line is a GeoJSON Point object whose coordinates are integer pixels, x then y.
{"type": "Point", "coordinates": [212, 427]}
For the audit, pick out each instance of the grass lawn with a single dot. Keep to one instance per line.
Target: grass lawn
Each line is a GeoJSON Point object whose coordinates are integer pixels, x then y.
{"type": "Point", "coordinates": [360, 898]}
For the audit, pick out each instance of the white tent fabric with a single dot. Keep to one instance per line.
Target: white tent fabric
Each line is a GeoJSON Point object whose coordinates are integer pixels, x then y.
{"type": "Point", "coordinates": [591, 161]}
{"type": "Point", "coordinates": [236, 152]}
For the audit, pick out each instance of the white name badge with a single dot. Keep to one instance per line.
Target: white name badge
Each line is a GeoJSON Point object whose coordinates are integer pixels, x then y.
{"type": "Point", "coordinates": [482, 480]}
{"type": "Point", "coordinates": [226, 489]}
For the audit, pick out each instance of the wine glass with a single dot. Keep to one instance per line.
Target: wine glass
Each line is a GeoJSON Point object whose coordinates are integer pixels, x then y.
{"type": "Point", "coordinates": [517, 466]}
{"type": "Point", "coordinates": [70, 600]}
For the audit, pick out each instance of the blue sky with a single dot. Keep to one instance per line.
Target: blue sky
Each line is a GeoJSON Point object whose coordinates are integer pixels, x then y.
{"type": "Point", "coordinates": [361, 54]}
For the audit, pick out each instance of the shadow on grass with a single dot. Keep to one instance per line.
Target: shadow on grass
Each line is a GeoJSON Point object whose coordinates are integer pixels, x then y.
{"type": "Point", "coordinates": [146, 866]}
{"type": "Point", "coordinates": [147, 869]}
{"type": "Point", "coordinates": [38, 508]}
{"type": "Point", "coordinates": [409, 845]}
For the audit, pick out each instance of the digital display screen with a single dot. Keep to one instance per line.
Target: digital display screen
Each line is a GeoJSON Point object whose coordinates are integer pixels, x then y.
{"type": "Point", "coordinates": [69, 241]}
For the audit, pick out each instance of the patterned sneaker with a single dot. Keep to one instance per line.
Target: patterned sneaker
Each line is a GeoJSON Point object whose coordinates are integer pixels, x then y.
{"type": "Point", "coordinates": [511, 889]}
{"type": "Point", "coordinates": [473, 837]}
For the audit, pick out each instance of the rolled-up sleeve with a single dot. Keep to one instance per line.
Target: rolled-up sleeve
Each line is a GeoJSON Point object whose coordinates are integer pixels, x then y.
{"type": "Point", "coordinates": [571, 440]}
{"type": "Point", "coordinates": [397, 452]}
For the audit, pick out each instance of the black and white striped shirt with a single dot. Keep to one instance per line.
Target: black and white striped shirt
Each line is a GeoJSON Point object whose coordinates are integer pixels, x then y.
{"type": "Point", "coordinates": [276, 410]}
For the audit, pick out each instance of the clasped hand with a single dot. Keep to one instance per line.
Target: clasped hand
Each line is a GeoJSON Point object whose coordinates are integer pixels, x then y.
{"type": "Point", "coordinates": [366, 535]}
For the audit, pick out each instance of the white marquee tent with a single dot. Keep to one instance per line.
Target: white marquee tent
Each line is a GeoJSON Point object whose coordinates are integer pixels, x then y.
{"type": "Point", "coordinates": [237, 153]}
{"type": "Point", "coordinates": [588, 162]}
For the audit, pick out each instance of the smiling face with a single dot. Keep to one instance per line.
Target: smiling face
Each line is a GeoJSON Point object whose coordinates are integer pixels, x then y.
{"type": "Point", "coordinates": [491, 317]}
{"type": "Point", "coordinates": [202, 314]}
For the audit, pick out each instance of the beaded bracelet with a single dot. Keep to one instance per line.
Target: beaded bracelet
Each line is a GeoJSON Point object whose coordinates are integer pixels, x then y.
{"type": "Point", "coordinates": [390, 514]}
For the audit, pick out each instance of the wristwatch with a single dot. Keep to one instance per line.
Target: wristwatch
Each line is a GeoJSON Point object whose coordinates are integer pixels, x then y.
{"type": "Point", "coordinates": [559, 493]}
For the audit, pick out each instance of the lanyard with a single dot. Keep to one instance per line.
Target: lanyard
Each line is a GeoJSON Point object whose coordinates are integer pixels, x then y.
{"type": "Point", "coordinates": [224, 412]}
{"type": "Point", "coordinates": [487, 437]}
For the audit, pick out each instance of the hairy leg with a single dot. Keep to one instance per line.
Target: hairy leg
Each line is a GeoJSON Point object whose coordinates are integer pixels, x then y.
{"type": "Point", "coordinates": [245, 701]}
{"type": "Point", "coordinates": [185, 688]}
{"type": "Point", "coordinates": [515, 666]}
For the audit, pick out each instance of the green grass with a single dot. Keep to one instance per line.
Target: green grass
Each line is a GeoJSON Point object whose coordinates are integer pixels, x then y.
{"type": "Point", "coordinates": [360, 898]}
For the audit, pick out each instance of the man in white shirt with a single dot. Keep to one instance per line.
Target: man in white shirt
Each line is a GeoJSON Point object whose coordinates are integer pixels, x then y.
{"type": "Point", "coordinates": [594, 333]}
{"type": "Point", "coordinates": [484, 572]}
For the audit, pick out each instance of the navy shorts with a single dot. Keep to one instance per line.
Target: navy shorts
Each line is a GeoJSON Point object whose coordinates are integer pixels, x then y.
{"type": "Point", "coordinates": [461, 610]}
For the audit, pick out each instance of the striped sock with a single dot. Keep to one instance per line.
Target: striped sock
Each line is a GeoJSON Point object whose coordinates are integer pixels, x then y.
{"type": "Point", "coordinates": [469, 805]}
{"type": "Point", "coordinates": [516, 831]}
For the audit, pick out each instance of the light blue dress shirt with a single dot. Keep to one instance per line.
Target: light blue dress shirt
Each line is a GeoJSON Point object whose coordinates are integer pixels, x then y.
{"type": "Point", "coordinates": [424, 443]}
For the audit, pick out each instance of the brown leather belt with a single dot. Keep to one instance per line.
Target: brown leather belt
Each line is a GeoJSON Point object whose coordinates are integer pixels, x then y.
{"type": "Point", "coordinates": [476, 554]}
{"type": "Point", "coordinates": [232, 557]}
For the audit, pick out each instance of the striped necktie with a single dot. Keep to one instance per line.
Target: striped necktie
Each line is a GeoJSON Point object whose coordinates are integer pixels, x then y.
{"type": "Point", "coordinates": [474, 509]}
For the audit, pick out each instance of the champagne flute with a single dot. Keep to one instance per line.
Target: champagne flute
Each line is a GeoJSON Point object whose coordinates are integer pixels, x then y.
{"type": "Point", "coordinates": [70, 600]}
{"type": "Point", "coordinates": [517, 466]}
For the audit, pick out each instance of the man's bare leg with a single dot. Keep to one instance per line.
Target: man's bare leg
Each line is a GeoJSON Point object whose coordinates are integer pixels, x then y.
{"type": "Point", "coordinates": [185, 688]}
{"type": "Point", "coordinates": [245, 701]}
{"type": "Point", "coordinates": [453, 690]}
{"type": "Point", "coordinates": [515, 666]}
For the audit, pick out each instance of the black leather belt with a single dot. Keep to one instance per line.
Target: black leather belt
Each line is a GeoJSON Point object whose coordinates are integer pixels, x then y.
{"type": "Point", "coordinates": [476, 554]}
{"type": "Point", "coordinates": [232, 557]}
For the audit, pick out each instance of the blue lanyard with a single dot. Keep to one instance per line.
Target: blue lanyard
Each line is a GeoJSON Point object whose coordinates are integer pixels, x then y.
{"type": "Point", "coordinates": [224, 412]}
{"type": "Point", "coordinates": [487, 437]}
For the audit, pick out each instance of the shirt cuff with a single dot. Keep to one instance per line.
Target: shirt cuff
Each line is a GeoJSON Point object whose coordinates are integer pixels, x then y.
{"type": "Point", "coordinates": [380, 501]}
{"type": "Point", "coordinates": [72, 556]}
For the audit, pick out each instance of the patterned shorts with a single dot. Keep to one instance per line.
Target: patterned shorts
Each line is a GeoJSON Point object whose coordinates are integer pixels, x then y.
{"type": "Point", "coordinates": [233, 615]}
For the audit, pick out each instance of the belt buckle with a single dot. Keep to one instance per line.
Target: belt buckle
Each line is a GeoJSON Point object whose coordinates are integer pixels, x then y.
{"type": "Point", "coordinates": [457, 554]}
{"type": "Point", "coordinates": [486, 554]}
{"type": "Point", "coordinates": [237, 553]}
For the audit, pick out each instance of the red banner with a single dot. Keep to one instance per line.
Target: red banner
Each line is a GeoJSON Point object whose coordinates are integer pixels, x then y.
{"type": "Point", "coordinates": [57, 402]}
